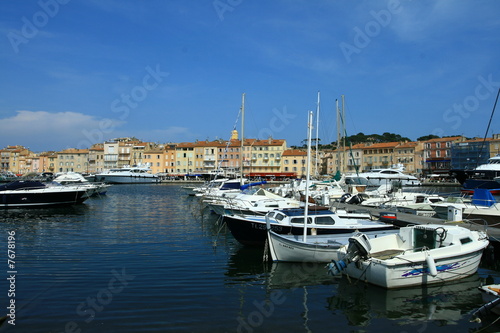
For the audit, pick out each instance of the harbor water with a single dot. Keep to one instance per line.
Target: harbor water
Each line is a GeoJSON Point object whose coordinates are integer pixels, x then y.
{"type": "Point", "coordinates": [150, 258]}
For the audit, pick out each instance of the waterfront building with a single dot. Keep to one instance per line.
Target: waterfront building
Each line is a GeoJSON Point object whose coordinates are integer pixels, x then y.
{"type": "Point", "coordinates": [294, 161]}
{"type": "Point", "coordinates": [72, 160]}
{"type": "Point", "coordinates": [110, 155]}
{"type": "Point", "coordinates": [154, 156]}
{"type": "Point", "coordinates": [48, 161]}
{"type": "Point", "coordinates": [137, 151]}
{"type": "Point", "coordinates": [207, 156]}
{"type": "Point", "coordinates": [263, 158]}
{"type": "Point", "coordinates": [379, 155]}
{"type": "Point", "coordinates": [469, 154]}
{"type": "Point", "coordinates": [410, 156]}
{"type": "Point", "coordinates": [13, 159]}
{"type": "Point", "coordinates": [345, 160]}
{"type": "Point", "coordinates": [229, 158]}
{"type": "Point", "coordinates": [96, 159]}
{"type": "Point", "coordinates": [184, 158]}
{"type": "Point", "coordinates": [161, 158]}
{"type": "Point", "coordinates": [437, 154]}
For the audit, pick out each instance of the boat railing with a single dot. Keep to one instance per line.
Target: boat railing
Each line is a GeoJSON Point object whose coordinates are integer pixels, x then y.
{"type": "Point", "coordinates": [480, 223]}
{"type": "Point", "coordinates": [28, 188]}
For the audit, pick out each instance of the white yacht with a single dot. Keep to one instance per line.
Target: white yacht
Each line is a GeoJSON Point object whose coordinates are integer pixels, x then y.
{"type": "Point", "coordinates": [377, 177]}
{"type": "Point", "coordinates": [128, 175]}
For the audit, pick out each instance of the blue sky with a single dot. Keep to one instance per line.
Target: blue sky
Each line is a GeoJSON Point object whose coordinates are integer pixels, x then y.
{"type": "Point", "coordinates": [78, 72]}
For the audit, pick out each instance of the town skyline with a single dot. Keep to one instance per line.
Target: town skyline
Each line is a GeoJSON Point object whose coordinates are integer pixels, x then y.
{"type": "Point", "coordinates": [256, 157]}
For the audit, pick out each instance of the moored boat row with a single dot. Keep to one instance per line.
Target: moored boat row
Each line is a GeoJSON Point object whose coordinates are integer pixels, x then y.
{"type": "Point", "coordinates": [362, 248]}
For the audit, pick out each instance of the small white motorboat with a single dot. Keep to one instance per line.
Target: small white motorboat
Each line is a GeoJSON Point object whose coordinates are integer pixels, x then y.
{"type": "Point", "coordinates": [314, 248]}
{"type": "Point", "coordinates": [77, 179]}
{"type": "Point", "coordinates": [417, 255]}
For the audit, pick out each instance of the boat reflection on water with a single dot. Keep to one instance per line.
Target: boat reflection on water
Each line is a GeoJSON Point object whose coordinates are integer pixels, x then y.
{"type": "Point", "coordinates": [447, 303]}
{"type": "Point", "coordinates": [362, 303]}
{"type": "Point", "coordinates": [285, 275]}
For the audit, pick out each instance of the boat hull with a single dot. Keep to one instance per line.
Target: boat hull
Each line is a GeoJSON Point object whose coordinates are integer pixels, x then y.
{"type": "Point", "coordinates": [317, 249]}
{"type": "Point", "coordinates": [403, 273]}
{"type": "Point", "coordinates": [287, 250]}
{"type": "Point", "coordinates": [490, 184]}
{"type": "Point", "coordinates": [254, 232]}
{"type": "Point", "coordinates": [473, 179]}
{"type": "Point", "coordinates": [41, 198]}
{"type": "Point", "coordinates": [116, 179]}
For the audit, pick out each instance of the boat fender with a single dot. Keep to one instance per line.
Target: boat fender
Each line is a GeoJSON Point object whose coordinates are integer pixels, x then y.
{"type": "Point", "coordinates": [431, 265]}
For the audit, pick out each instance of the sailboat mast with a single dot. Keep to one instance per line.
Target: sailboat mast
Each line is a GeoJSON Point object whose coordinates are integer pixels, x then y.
{"type": "Point", "coordinates": [316, 172]}
{"type": "Point", "coordinates": [242, 136]}
{"type": "Point", "coordinates": [339, 163]}
{"type": "Point", "coordinates": [308, 167]}
{"type": "Point", "coordinates": [343, 138]}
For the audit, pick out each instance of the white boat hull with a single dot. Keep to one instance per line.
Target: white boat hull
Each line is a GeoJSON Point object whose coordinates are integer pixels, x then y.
{"type": "Point", "coordinates": [316, 249]}
{"type": "Point", "coordinates": [116, 179]}
{"type": "Point", "coordinates": [284, 249]}
{"type": "Point", "coordinates": [403, 273]}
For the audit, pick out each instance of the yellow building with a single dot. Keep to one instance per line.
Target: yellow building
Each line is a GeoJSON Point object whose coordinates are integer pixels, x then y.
{"type": "Point", "coordinates": [294, 161]}
{"type": "Point", "coordinates": [263, 157]}
{"type": "Point", "coordinates": [14, 159]}
{"type": "Point", "coordinates": [184, 158]}
{"type": "Point", "coordinates": [96, 159]}
{"type": "Point", "coordinates": [346, 160]}
{"type": "Point", "coordinates": [72, 160]}
{"type": "Point", "coordinates": [410, 155]}
{"type": "Point", "coordinates": [206, 156]}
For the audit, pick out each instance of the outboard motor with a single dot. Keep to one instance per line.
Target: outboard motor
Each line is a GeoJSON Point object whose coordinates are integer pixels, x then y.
{"type": "Point", "coordinates": [359, 248]}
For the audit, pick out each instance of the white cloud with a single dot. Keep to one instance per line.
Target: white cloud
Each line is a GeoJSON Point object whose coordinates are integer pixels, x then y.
{"type": "Point", "coordinates": [42, 130]}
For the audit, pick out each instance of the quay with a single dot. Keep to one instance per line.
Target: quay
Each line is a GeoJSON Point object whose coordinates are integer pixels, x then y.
{"type": "Point", "coordinates": [403, 219]}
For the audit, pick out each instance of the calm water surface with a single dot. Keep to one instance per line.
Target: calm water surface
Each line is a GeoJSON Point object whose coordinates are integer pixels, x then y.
{"type": "Point", "coordinates": [148, 258]}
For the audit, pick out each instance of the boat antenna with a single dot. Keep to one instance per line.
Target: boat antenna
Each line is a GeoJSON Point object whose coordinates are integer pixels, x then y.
{"type": "Point", "coordinates": [487, 129]}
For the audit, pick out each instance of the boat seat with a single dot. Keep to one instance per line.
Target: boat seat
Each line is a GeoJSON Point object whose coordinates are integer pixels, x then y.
{"type": "Point", "coordinates": [386, 254]}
